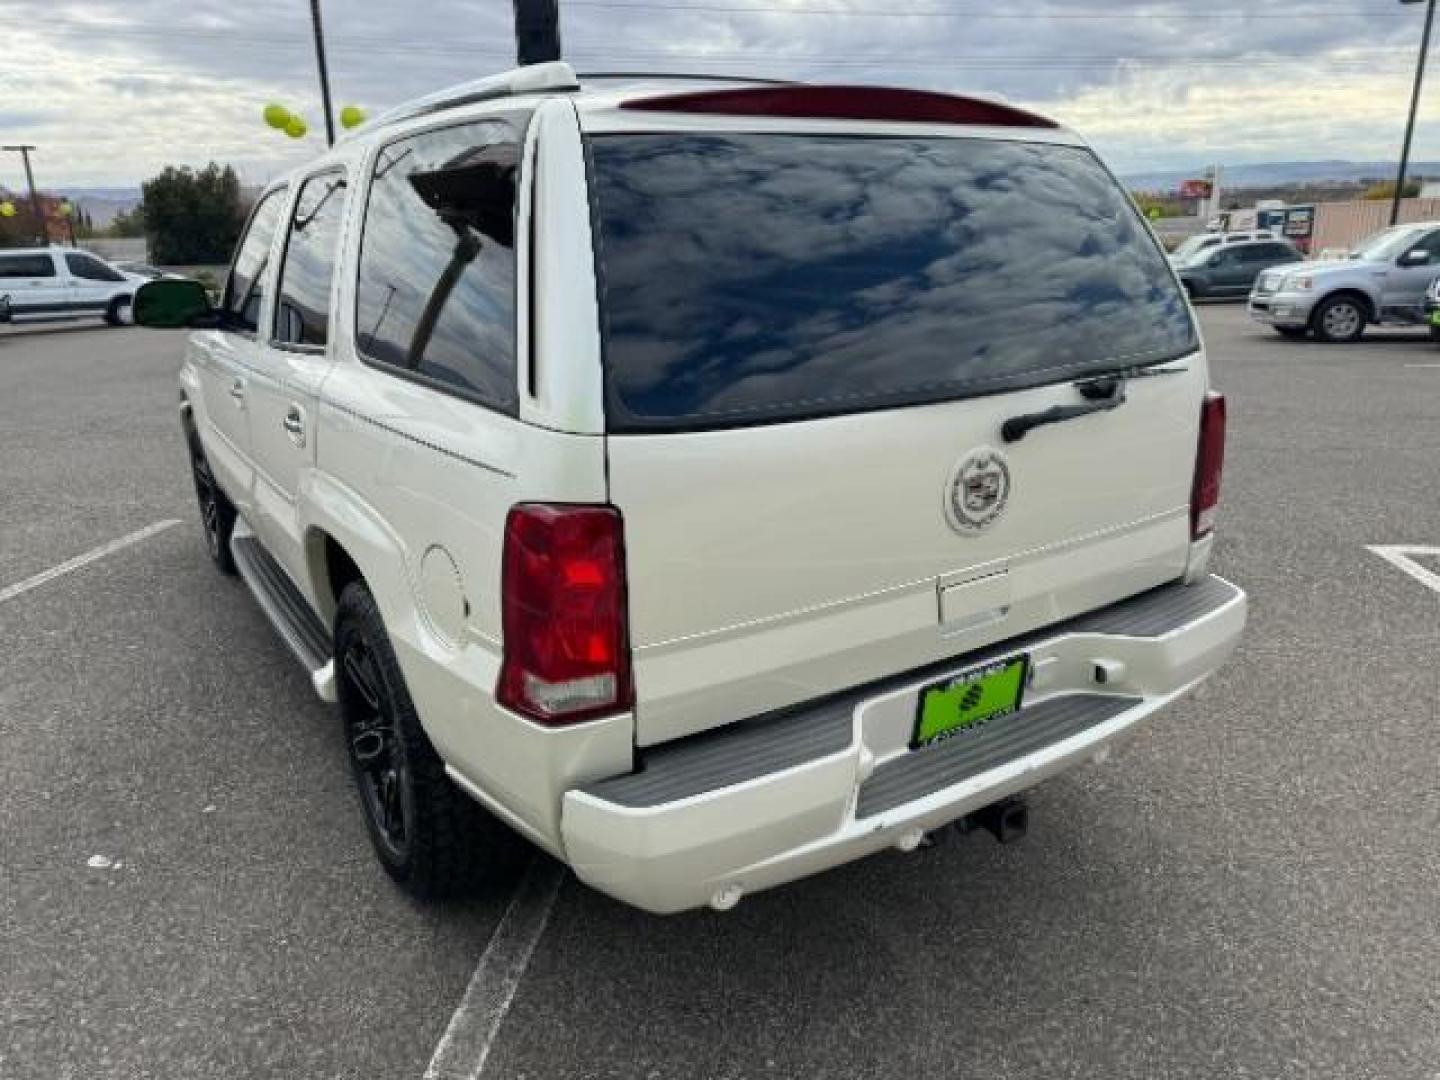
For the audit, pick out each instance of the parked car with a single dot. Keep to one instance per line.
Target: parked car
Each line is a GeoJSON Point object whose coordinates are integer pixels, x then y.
{"type": "Point", "coordinates": [144, 270]}
{"type": "Point", "coordinates": [1382, 281]}
{"type": "Point", "coordinates": [64, 283]}
{"type": "Point", "coordinates": [715, 482]}
{"type": "Point", "coordinates": [1192, 246]}
{"type": "Point", "coordinates": [1231, 269]}
{"type": "Point", "coordinates": [1432, 309]}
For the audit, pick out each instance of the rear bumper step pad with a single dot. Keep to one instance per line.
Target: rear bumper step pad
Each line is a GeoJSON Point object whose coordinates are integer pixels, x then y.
{"type": "Point", "coordinates": [983, 748]}
{"type": "Point", "coordinates": [750, 749]}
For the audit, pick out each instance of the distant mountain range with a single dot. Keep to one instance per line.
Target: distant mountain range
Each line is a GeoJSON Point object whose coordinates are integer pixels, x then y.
{"type": "Point", "coordinates": [1276, 173]}
{"type": "Point", "coordinates": [102, 203]}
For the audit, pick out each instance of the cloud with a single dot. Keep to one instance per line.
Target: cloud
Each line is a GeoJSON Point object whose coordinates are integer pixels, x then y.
{"type": "Point", "coordinates": [114, 92]}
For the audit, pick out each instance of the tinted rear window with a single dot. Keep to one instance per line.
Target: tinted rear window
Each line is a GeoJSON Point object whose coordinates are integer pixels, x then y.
{"type": "Point", "coordinates": [760, 278]}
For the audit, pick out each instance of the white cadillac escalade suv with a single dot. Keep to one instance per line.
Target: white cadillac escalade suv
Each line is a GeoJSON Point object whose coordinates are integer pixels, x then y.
{"type": "Point", "coordinates": [710, 482]}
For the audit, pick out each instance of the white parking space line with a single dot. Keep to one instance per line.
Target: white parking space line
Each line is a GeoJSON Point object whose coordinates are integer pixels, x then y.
{"type": "Point", "coordinates": [463, 1049]}
{"type": "Point", "coordinates": [1423, 365]}
{"type": "Point", "coordinates": [1400, 555]}
{"type": "Point", "coordinates": [10, 592]}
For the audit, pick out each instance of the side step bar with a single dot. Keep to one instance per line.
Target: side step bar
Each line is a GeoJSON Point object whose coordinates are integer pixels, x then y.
{"type": "Point", "coordinates": [287, 609]}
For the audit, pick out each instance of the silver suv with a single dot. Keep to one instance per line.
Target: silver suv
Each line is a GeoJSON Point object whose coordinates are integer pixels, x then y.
{"type": "Point", "coordinates": [1382, 281]}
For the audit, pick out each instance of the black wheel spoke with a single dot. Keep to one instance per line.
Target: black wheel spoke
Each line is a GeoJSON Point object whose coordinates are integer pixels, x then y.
{"type": "Point", "coordinates": [392, 812]}
{"type": "Point", "coordinates": [360, 669]}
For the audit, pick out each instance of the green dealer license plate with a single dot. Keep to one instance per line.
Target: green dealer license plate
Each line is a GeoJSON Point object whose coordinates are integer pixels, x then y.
{"type": "Point", "coordinates": [1435, 318]}
{"type": "Point", "coordinates": [967, 700]}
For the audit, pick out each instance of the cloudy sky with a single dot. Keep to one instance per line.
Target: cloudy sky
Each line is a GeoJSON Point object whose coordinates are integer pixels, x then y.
{"type": "Point", "coordinates": [112, 90]}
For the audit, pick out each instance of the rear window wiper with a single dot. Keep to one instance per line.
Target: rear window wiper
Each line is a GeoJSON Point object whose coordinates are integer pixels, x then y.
{"type": "Point", "coordinates": [1103, 391]}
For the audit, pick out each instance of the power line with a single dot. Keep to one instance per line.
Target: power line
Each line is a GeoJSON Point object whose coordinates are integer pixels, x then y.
{"type": "Point", "coordinates": [487, 49]}
{"type": "Point", "coordinates": [940, 13]}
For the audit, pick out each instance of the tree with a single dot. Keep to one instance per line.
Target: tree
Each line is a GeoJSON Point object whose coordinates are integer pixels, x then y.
{"type": "Point", "coordinates": [129, 223]}
{"type": "Point", "coordinates": [192, 217]}
{"type": "Point", "coordinates": [1385, 190]}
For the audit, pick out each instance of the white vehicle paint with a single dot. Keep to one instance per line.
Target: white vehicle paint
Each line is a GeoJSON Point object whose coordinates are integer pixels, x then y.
{"type": "Point", "coordinates": [755, 568]}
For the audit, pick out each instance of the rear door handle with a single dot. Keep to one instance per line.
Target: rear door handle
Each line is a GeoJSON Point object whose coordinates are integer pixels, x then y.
{"type": "Point", "coordinates": [237, 392]}
{"type": "Point", "coordinates": [294, 425]}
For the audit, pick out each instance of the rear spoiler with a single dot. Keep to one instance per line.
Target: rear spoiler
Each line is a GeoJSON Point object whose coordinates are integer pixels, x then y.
{"type": "Point", "coordinates": [845, 103]}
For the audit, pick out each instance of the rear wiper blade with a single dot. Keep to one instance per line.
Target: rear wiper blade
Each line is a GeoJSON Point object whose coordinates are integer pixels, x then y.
{"type": "Point", "coordinates": [1015, 429]}
{"type": "Point", "coordinates": [1103, 391]}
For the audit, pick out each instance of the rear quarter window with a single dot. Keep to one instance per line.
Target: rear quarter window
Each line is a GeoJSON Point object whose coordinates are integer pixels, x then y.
{"type": "Point", "coordinates": [26, 266]}
{"type": "Point", "coordinates": [436, 289]}
{"type": "Point", "coordinates": [763, 278]}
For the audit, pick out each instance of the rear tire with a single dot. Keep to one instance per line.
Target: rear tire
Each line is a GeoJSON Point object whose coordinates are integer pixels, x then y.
{"type": "Point", "coordinates": [1339, 320]}
{"type": "Point", "coordinates": [431, 838]}
{"type": "Point", "coordinates": [217, 513]}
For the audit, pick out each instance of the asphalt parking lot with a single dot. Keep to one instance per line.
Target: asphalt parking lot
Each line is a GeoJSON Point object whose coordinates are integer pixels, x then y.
{"type": "Point", "coordinates": [1252, 888]}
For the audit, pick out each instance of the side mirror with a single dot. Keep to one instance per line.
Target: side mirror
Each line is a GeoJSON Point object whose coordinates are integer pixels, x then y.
{"type": "Point", "coordinates": [173, 304]}
{"type": "Point", "coordinates": [1415, 257]}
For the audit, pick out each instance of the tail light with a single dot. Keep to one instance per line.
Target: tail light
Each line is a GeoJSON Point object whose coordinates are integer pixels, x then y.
{"type": "Point", "coordinates": [1209, 462]}
{"type": "Point", "coordinates": [567, 649]}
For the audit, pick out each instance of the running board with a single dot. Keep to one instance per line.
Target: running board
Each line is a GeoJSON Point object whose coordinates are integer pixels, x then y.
{"type": "Point", "coordinates": [287, 609]}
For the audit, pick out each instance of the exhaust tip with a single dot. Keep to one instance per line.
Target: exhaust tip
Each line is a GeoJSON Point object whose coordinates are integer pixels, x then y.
{"type": "Point", "coordinates": [910, 839]}
{"type": "Point", "coordinates": [726, 897]}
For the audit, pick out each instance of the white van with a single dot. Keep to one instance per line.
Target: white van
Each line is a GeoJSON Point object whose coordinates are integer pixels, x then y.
{"type": "Point", "coordinates": [63, 283]}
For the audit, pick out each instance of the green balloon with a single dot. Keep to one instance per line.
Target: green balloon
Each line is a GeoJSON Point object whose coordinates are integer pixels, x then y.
{"type": "Point", "coordinates": [351, 116]}
{"type": "Point", "coordinates": [277, 116]}
{"type": "Point", "coordinates": [295, 128]}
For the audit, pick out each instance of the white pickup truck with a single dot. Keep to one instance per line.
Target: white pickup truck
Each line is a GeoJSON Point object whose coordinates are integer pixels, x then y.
{"type": "Point", "coordinates": [709, 481]}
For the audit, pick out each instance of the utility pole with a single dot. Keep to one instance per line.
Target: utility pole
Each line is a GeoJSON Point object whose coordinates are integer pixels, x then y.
{"type": "Point", "coordinates": [537, 31]}
{"type": "Point", "coordinates": [34, 195]}
{"type": "Point", "coordinates": [1414, 107]}
{"type": "Point", "coordinates": [324, 72]}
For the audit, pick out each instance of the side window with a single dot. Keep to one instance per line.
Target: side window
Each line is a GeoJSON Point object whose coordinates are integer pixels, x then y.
{"type": "Point", "coordinates": [26, 266]}
{"type": "Point", "coordinates": [302, 309]}
{"type": "Point", "coordinates": [1429, 244]}
{"type": "Point", "coordinates": [91, 268]}
{"type": "Point", "coordinates": [436, 288]}
{"type": "Point", "coordinates": [244, 289]}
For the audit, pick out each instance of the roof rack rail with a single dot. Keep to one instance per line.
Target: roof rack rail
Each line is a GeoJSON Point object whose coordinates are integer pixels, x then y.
{"type": "Point", "coordinates": [556, 76]}
{"type": "Point", "coordinates": [683, 75]}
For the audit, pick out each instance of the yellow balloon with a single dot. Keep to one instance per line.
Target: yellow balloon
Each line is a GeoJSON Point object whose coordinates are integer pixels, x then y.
{"type": "Point", "coordinates": [351, 116]}
{"type": "Point", "coordinates": [277, 116]}
{"type": "Point", "coordinates": [295, 128]}
{"type": "Point", "coordinates": [7, 209]}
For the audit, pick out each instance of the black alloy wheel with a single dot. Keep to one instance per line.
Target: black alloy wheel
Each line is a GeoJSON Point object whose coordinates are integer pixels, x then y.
{"type": "Point", "coordinates": [377, 752]}
{"type": "Point", "coordinates": [217, 515]}
{"type": "Point", "coordinates": [430, 836]}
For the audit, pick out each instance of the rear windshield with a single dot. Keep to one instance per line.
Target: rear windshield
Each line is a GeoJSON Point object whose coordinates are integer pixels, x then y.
{"type": "Point", "coordinates": [762, 278]}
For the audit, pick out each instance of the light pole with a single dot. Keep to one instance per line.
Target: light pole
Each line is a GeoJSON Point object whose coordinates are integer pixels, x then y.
{"type": "Point", "coordinates": [1414, 107]}
{"type": "Point", "coordinates": [324, 72]}
{"type": "Point", "coordinates": [34, 196]}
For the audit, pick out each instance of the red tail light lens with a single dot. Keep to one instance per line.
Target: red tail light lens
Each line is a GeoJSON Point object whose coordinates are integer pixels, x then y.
{"type": "Point", "coordinates": [567, 648]}
{"type": "Point", "coordinates": [1209, 463]}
